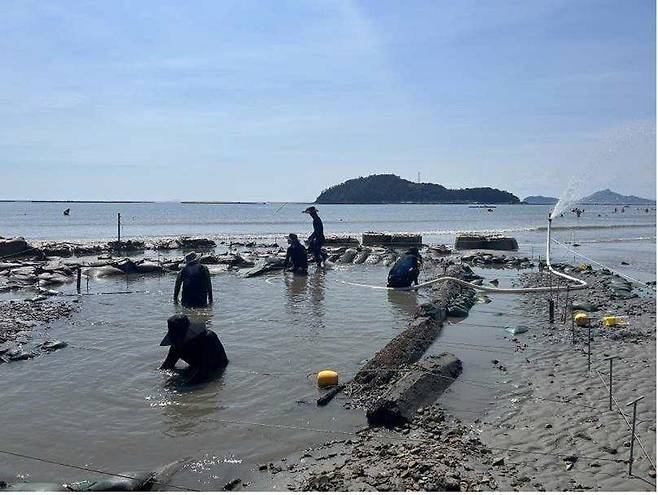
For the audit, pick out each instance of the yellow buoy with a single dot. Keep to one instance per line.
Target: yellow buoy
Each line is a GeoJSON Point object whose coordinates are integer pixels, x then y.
{"type": "Point", "coordinates": [614, 321]}
{"type": "Point", "coordinates": [581, 319]}
{"type": "Point", "coordinates": [327, 378]}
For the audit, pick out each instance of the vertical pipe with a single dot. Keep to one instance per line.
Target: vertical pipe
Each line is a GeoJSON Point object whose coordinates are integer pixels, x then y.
{"type": "Point", "coordinates": [79, 280]}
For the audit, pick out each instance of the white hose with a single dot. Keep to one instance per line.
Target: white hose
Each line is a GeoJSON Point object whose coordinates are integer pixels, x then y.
{"type": "Point", "coordinates": [581, 284]}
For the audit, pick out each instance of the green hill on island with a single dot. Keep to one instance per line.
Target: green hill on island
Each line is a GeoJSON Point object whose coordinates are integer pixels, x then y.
{"type": "Point", "coordinates": [389, 188]}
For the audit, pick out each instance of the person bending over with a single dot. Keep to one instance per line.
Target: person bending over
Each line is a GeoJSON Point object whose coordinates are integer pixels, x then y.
{"type": "Point", "coordinates": [296, 256]}
{"type": "Point", "coordinates": [195, 279]}
{"type": "Point", "coordinates": [405, 271]}
{"type": "Point", "coordinates": [196, 345]}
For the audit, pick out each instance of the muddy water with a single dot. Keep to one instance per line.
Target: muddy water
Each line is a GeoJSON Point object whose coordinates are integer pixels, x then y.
{"type": "Point", "coordinates": [103, 402]}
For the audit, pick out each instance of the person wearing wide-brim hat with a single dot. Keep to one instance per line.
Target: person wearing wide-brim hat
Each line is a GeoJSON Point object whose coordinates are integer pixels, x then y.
{"type": "Point", "coordinates": [195, 280]}
{"type": "Point", "coordinates": [405, 271]}
{"type": "Point", "coordinates": [316, 239]}
{"type": "Point", "coordinates": [296, 256]}
{"type": "Point", "coordinates": [194, 344]}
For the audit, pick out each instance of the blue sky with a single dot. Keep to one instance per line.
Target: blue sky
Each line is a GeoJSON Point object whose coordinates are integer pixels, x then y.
{"type": "Point", "coordinates": [276, 100]}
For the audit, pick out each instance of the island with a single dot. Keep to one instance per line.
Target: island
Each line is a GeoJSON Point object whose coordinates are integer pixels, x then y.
{"type": "Point", "coordinates": [389, 188]}
{"type": "Point", "coordinates": [608, 197]}
{"type": "Point", "coordinates": [540, 200]}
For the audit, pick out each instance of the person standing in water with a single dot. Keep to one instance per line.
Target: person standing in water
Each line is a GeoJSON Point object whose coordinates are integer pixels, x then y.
{"type": "Point", "coordinates": [316, 239]}
{"type": "Point", "coordinates": [196, 345]}
{"type": "Point", "coordinates": [195, 279]}
{"type": "Point", "coordinates": [405, 271]}
{"type": "Point", "coordinates": [296, 256]}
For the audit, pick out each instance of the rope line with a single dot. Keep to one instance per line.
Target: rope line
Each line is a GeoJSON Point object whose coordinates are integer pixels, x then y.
{"type": "Point", "coordinates": [91, 470]}
{"type": "Point", "coordinates": [626, 420]}
{"type": "Point", "coordinates": [616, 272]}
{"type": "Point", "coordinates": [401, 439]}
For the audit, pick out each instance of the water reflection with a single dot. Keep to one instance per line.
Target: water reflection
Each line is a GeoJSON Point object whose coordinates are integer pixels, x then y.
{"type": "Point", "coordinates": [296, 286]}
{"type": "Point", "coordinates": [404, 303]}
{"type": "Point", "coordinates": [317, 283]}
{"type": "Point", "coordinates": [190, 407]}
{"type": "Point", "coordinates": [198, 315]}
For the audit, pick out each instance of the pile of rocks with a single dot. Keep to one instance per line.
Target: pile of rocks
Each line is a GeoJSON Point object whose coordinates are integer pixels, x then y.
{"type": "Point", "coordinates": [433, 453]}
{"type": "Point", "coordinates": [19, 318]}
{"type": "Point", "coordinates": [497, 260]}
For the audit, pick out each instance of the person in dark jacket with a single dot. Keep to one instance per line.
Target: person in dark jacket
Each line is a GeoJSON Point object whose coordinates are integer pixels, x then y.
{"type": "Point", "coordinates": [195, 279]}
{"type": "Point", "coordinates": [194, 344]}
{"type": "Point", "coordinates": [316, 240]}
{"type": "Point", "coordinates": [405, 271]}
{"type": "Point", "coordinates": [296, 256]}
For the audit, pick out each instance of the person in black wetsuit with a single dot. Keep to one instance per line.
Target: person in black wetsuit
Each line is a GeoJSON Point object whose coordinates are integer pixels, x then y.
{"type": "Point", "coordinates": [195, 279]}
{"type": "Point", "coordinates": [405, 271]}
{"type": "Point", "coordinates": [196, 345]}
{"type": "Point", "coordinates": [296, 256]}
{"type": "Point", "coordinates": [316, 239]}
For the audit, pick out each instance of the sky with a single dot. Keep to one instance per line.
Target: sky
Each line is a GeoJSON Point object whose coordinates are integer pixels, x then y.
{"type": "Point", "coordinates": [276, 100]}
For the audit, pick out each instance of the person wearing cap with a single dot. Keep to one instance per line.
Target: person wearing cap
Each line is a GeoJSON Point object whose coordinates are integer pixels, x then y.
{"type": "Point", "coordinates": [194, 344]}
{"type": "Point", "coordinates": [405, 271]}
{"type": "Point", "coordinates": [296, 256]}
{"type": "Point", "coordinates": [316, 239]}
{"type": "Point", "coordinates": [195, 279]}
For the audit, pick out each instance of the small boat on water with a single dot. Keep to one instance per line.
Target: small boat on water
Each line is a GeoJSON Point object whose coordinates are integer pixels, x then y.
{"type": "Point", "coordinates": [67, 212]}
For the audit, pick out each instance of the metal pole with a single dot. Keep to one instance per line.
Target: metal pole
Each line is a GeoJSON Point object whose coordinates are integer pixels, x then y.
{"type": "Point", "coordinates": [551, 311]}
{"type": "Point", "coordinates": [611, 358]}
{"type": "Point", "coordinates": [573, 327]}
{"type": "Point", "coordinates": [630, 460]}
{"type": "Point", "coordinates": [589, 347]}
{"type": "Point", "coordinates": [566, 306]}
{"type": "Point", "coordinates": [119, 228]}
{"type": "Point", "coordinates": [557, 298]}
{"type": "Point", "coordinates": [79, 279]}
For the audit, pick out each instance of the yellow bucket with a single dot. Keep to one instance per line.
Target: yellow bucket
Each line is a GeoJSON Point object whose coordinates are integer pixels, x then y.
{"type": "Point", "coordinates": [327, 378]}
{"type": "Point", "coordinates": [614, 321]}
{"type": "Point", "coordinates": [581, 319]}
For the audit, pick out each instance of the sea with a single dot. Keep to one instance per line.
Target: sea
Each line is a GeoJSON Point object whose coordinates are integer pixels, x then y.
{"type": "Point", "coordinates": [102, 403]}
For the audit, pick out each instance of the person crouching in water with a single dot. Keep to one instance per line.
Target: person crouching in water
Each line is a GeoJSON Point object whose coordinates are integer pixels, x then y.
{"type": "Point", "coordinates": [405, 271]}
{"type": "Point", "coordinates": [296, 256]}
{"type": "Point", "coordinates": [195, 279]}
{"type": "Point", "coordinates": [316, 239]}
{"type": "Point", "coordinates": [196, 345]}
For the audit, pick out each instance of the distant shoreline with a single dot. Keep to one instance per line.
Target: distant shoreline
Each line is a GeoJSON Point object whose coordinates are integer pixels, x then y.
{"type": "Point", "coordinates": [465, 203]}
{"type": "Point", "coordinates": [64, 201]}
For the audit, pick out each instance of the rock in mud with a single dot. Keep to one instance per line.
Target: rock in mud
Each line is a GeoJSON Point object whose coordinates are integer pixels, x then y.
{"type": "Point", "coordinates": [584, 306]}
{"type": "Point", "coordinates": [124, 482]}
{"type": "Point", "coordinates": [362, 256]}
{"type": "Point", "coordinates": [53, 345]}
{"type": "Point", "coordinates": [14, 247]}
{"type": "Point", "coordinates": [54, 279]}
{"type": "Point", "coordinates": [419, 387]}
{"type": "Point", "coordinates": [348, 256]}
{"type": "Point", "coordinates": [125, 246]}
{"type": "Point", "coordinates": [270, 264]}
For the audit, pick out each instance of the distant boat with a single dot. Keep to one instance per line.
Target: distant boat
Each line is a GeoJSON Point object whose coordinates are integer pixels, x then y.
{"type": "Point", "coordinates": [67, 212]}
